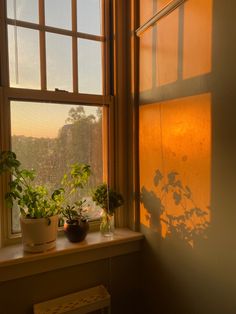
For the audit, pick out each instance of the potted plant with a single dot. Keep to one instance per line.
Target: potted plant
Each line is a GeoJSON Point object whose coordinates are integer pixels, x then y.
{"type": "Point", "coordinates": [39, 210]}
{"type": "Point", "coordinates": [108, 200]}
{"type": "Point", "coordinates": [72, 210]}
{"type": "Point", "coordinates": [76, 225]}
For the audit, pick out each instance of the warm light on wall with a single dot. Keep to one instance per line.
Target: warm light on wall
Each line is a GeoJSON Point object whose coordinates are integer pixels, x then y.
{"type": "Point", "coordinates": [197, 48]}
{"type": "Point", "coordinates": [145, 65]}
{"type": "Point", "coordinates": [167, 47]}
{"type": "Point", "coordinates": [178, 46]}
{"type": "Point", "coordinates": [175, 154]}
{"type": "Point", "coordinates": [146, 10]}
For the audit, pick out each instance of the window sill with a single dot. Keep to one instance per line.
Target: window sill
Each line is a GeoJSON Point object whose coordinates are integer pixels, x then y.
{"type": "Point", "coordinates": [14, 263]}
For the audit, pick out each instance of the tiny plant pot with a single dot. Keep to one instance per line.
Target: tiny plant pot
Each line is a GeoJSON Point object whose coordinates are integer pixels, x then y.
{"type": "Point", "coordinates": [76, 229]}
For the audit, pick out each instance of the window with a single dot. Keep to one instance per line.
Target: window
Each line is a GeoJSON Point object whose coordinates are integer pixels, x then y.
{"type": "Point", "coordinates": [55, 106]}
{"type": "Point", "coordinates": [56, 44]}
{"type": "Point", "coordinates": [49, 146]}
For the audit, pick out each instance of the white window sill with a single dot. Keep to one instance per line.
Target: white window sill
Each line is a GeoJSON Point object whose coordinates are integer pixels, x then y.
{"type": "Point", "coordinates": [15, 263]}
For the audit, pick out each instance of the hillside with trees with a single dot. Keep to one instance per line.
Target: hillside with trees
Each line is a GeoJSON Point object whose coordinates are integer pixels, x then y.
{"type": "Point", "coordinates": [79, 140]}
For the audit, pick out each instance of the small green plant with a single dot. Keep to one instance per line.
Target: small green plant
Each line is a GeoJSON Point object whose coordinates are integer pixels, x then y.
{"type": "Point", "coordinates": [35, 201]}
{"type": "Point", "coordinates": [74, 212]}
{"type": "Point", "coordinates": [75, 179]}
{"type": "Point", "coordinates": [101, 195]}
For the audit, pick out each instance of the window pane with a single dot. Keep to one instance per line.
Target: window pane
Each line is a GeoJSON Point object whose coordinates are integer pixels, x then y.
{"type": "Point", "coordinates": [90, 66]}
{"type": "Point", "coordinates": [89, 16]}
{"type": "Point", "coordinates": [24, 10]}
{"type": "Point", "coordinates": [59, 62]}
{"type": "Point", "coordinates": [50, 145]}
{"type": "Point", "coordinates": [58, 13]}
{"type": "Point", "coordinates": [24, 68]}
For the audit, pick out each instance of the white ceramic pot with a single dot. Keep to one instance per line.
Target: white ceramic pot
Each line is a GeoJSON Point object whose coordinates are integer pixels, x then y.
{"type": "Point", "coordinates": [39, 235]}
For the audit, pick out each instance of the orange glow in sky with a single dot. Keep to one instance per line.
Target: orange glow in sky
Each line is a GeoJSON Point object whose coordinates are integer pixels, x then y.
{"type": "Point", "coordinates": [40, 119]}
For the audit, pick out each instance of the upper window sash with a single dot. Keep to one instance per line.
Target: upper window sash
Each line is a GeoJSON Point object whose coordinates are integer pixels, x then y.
{"type": "Point", "coordinates": [77, 38]}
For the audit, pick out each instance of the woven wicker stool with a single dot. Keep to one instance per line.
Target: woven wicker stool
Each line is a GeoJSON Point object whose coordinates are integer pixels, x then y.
{"type": "Point", "coordinates": [85, 301]}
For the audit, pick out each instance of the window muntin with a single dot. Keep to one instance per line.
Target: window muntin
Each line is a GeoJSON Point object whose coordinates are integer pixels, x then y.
{"type": "Point", "coordinates": [48, 137]}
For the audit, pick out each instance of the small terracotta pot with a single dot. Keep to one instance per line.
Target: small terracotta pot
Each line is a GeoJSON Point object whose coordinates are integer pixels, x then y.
{"type": "Point", "coordinates": [76, 230]}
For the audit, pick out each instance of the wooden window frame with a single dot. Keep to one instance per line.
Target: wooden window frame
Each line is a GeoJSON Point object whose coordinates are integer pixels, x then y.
{"type": "Point", "coordinates": [7, 93]}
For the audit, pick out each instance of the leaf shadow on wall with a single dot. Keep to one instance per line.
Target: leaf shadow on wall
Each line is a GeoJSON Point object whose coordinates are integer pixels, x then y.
{"type": "Point", "coordinates": [172, 211]}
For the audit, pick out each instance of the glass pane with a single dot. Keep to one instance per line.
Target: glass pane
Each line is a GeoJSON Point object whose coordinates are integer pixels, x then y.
{"type": "Point", "coordinates": [24, 10]}
{"type": "Point", "coordinates": [24, 61]}
{"type": "Point", "coordinates": [50, 145]}
{"type": "Point", "coordinates": [89, 16]}
{"type": "Point", "coordinates": [59, 62]}
{"type": "Point", "coordinates": [58, 13]}
{"type": "Point", "coordinates": [90, 66]}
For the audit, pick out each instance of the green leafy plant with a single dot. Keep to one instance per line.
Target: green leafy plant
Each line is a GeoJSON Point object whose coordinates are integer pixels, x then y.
{"type": "Point", "coordinates": [74, 212]}
{"type": "Point", "coordinates": [102, 194]}
{"type": "Point", "coordinates": [75, 179]}
{"type": "Point", "coordinates": [35, 201]}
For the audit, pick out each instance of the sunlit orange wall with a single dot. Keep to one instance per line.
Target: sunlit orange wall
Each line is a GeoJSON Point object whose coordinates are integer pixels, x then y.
{"type": "Point", "coordinates": [146, 46]}
{"type": "Point", "coordinates": [146, 12]}
{"type": "Point", "coordinates": [145, 65]}
{"type": "Point", "coordinates": [161, 3]}
{"type": "Point", "coordinates": [197, 50]}
{"type": "Point", "coordinates": [167, 47]}
{"type": "Point", "coordinates": [178, 47]}
{"type": "Point", "coordinates": [176, 136]}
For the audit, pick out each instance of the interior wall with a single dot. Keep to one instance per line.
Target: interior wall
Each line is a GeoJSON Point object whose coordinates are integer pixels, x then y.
{"type": "Point", "coordinates": [187, 137]}
{"type": "Point", "coordinates": [120, 275]}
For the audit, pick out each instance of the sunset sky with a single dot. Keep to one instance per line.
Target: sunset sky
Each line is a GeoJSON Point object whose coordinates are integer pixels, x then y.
{"type": "Point", "coordinates": [40, 119]}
